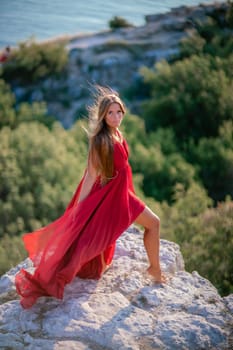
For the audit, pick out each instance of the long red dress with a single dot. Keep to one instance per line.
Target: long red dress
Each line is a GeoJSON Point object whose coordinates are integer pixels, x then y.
{"type": "Point", "coordinates": [72, 245]}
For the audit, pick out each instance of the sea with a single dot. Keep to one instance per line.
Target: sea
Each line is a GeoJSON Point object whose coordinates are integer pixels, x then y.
{"type": "Point", "coordinates": [21, 20]}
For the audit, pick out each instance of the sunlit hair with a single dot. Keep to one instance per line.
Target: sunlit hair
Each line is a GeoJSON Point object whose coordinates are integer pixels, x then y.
{"type": "Point", "coordinates": [100, 135]}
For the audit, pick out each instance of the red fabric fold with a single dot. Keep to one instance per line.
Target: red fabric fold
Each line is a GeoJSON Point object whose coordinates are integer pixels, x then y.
{"type": "Point", "coordinates": [72, 245]}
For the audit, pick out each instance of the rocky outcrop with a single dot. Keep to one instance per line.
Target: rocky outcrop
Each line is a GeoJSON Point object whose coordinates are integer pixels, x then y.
{"type": "Point", "coordinates": [123, 310]}
{"type": "Point", "coordinates": [113, 58]}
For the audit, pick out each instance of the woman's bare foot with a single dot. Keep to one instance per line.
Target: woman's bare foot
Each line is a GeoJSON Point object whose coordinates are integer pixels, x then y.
{"type": "Point", "coordinates": [157, 274]}
{"type": "Point", "coordinates": [106, 268]}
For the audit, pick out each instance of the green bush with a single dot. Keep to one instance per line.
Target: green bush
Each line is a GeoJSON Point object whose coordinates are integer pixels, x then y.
{"type": "Point", "coordinates": [210, 251]}
{"type": "Point", "coordinates": [12, 252]}
{"type": "Point", "coordinates": [221, 44]}
{"type": "Point", "coordinates": [119, 22]}
{"type": "Point", "coordinates": [214, 157]}
{"type": "Point", "coordinates": [161, 173]}
{"type": "Point", "coordinates": [193, 45]}
{"type": "Point", "coordinates": [165, 139]}
{"type": "Point", "coordinates": [133, 127]}
{"type": "Point", "coordinates": [39, 170]}
{"type": "Point", "coordinates": [214, 36]}
{"type": "Point", "coordinates": [12, 116]}
{"type": "Point", "coordinates": [180, 222]}
{"type": "Point", "coordinates": [204, 233]}
{"type": "Point", "coordinates": [229, 15]}
{"type": "Point", "coordinates": [192, 96]}
{"type": "Point", "coordinates": [7, 100]}
{"type": "Point", "coordinates": [32, 61]}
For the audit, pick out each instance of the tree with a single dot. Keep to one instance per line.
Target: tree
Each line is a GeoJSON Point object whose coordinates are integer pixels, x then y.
{"type": "Point", "coordinates": [32, 61]}
{"type": "Point", "coordinates": [210, 251]}
{"type": "Point", "coordinates": [7, 100]}
{"type": "Point", "coordinates": [204, 233]}
{"type": "Point", "coordinates": [214, 157]}
{"type": "Point", "coordinates": [39, 170]}
{"type": "Point", "coordinates": [213, 36]}
{"type": "Point", "coordinates": [192, 96]}
{"type": "Point", "coordinates": [12, 116]}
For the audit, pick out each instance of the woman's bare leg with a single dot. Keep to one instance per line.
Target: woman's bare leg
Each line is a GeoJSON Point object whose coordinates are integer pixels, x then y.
{"type": "Point", "coordinates": [151, 224]}
{"type": "Point", "coordinates": [105, 267]}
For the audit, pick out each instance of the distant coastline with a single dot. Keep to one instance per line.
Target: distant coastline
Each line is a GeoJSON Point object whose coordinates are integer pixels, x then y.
{"type": "Point", "coordinates": [113, 56]}
{"type": "Point", "coordinates": [68, 38]}
{"type": "Point", "coordinates": [47, 22]}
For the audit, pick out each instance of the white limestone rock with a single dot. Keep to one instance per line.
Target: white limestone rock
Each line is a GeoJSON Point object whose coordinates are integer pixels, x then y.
{"type": "Point", "coordinates": [123, 310]}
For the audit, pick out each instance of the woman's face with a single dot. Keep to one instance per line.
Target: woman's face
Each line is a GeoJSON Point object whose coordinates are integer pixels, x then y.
{"type": "Point", "coordinates": [114, 116]}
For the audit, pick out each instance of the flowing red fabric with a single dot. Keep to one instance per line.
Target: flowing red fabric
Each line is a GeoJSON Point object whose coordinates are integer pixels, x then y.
{"type": "Point", "coordinates": [72, 245]}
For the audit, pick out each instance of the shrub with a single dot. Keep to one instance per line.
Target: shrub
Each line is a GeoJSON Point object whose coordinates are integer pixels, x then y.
{"type": "Point", "coordinates": [210, 251]}
{"type": "Point", "coordinates": [39, 170]}
{"type": "Point", "coordinates": [12, 252]}
{"type": "Point", "coordinates": [173, 170]}
{"type": "Point", "coordinates": [204, 233]}
{"type": "Point", "coordinates": [7, 100]}
{"type": "Point", "coordinates": [180, 222]}
{"type": "Point", "coordinates": [193, 45]}
{"type": "Point", "coordinates": [229, 15]}
{"type": "Point", "coordinates": [214, 161]}
{"type": "Point", "coordinates": [32, 61]}
{"type": "Point", "coordinates": [12, 116]}
{"type": "Point", "coordinates": [214, 36]}
{"type": "Point", "coordinates": [119, 22]}
{"type": "Point", "coordinates": [192, 96]}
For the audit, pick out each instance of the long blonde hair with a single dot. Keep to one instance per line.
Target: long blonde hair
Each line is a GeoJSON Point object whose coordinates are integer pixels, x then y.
{"type": "Point", "coordinates": [100, 135]}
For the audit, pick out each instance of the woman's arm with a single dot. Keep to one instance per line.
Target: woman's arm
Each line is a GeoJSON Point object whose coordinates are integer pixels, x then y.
{"type": "Point", "coordinates": [88, 181]}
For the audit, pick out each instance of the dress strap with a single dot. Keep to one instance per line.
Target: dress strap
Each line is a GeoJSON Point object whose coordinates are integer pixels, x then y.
{"type": "Point", "coordinates": [119, 134]}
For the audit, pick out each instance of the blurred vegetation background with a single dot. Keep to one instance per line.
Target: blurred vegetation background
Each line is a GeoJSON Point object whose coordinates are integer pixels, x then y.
{"type": "Point", "coordinates": [181, 150]}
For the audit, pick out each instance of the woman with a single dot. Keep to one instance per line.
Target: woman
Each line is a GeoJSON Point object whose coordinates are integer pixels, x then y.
{"type": "Point", "coordinates": [82, 241]}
